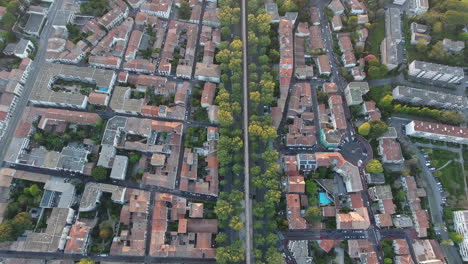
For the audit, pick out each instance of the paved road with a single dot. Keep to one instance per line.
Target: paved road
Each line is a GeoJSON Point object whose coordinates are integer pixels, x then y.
{"type": "Point", "coordinates": [248, 202]}
{"type": "Point", "coordinates": [114, 258]}
{"type": "Point", "coordinates": [122, 183]}
{"type": "Point", "coordinates": [36, 65]}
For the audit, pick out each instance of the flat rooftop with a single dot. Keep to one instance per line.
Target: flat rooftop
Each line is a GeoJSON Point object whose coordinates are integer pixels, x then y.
{"type": "Point", "coordinates": [49, 72]}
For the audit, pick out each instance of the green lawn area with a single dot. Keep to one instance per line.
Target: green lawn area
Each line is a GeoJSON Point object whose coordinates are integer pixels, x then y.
{"type": "Point", "coordinates": [376, 35]}
{"type": "Point", "coordinates": [451, 175]}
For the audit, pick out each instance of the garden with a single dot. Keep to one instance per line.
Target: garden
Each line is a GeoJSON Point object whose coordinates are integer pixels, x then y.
{"type": "Point", "coordinates": [449, 171]}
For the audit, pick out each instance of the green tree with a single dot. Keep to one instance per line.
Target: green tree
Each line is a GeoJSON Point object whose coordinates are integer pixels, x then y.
{"type": "Point", "coordinates": [457, 238]}
{"type": "Point", "coordinates": [134, 158]}
{"type": "Point", "coordinates": [311, 187]}
{"type": "Point", "coordinates": [271, 239]}
{"type": "Point", "coordinates": [378, 128]}
{"type": "Point", "coordinates": [34, 191]}
{"type": "Point", "coordinates": [221, 238]}
{"type": "Point", "coordinates": [184, 10]}
{"type": "Point", "coordinates": [86, 261]}
{"type": "Point", "coordinates": [6, 232]}
{"type": "Point", "coordinates": [374, 166]}
{"type": "Point", "coordinates": [421, 45]}
{"type": "Point", "coordinates": [230, 254]}
{"type": "Point", "coordinates": [236, 223]}
{"type": "Point", "coordinates": [21, 222]}
{"type": "Point", "coordinates": [364, 129]}
{"type": "Point", "coordinates": [8, 20]}
{"type": "Point", "coordinates": [223, 209]}
{"type": "Point", "coordinates": [272, 256]}
{"type": "Point", "coordinates": [105, 233]}
{"type": "Point", "coordinates": [99, 173]}
{"type": "Point", "coordinates": [313, 214]}
{"type": "Point", "coordinates": [386, 103]}
{"type": "Point", "coordinates": [388, 261]}
{"type": "Point", "coordinates": [437, 52]}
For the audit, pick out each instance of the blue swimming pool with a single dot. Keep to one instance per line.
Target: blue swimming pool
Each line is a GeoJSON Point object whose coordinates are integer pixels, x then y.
{"type": "Point", "coordinates": [323, 199]}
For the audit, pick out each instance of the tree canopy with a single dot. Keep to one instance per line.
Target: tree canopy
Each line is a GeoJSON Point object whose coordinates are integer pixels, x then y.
{"type": "Point", "coordinates": [374, 166]}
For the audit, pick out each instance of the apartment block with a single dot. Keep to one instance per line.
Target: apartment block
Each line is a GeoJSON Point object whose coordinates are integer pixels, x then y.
{"type": "Point", "coordinates": [435, 72]}
{"type": "Point", "coordinates": [437, 132]}
{"type": "Point", "coordinates": [429, 98]}
{"type": "Point", "coordinates": [460, 221]}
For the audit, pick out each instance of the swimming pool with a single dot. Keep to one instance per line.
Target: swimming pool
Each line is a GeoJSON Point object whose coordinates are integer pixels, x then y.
{"type": "Point", "coordinates": [323, 199]}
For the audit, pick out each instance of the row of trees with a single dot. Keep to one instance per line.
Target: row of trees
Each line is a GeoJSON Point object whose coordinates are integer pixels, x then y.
{"type": "Point", "coordinates": [451, 117]}
{"type": "Point", "coordinates": [263, 53]}
{"type": "Point", "coordinates": [229, 205]}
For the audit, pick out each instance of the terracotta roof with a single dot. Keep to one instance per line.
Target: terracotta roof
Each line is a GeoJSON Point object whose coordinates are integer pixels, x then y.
{"type": "Point", "coordinates": [389, 206]}
{"type": "Point", "coordinates": [356, 200]}
{"type": "Point", "coordinates": [327, 245]}
{"type": "Point", "coordinates": [330, 88]}
{"type": "Point", "coordinates": [400, 246]}
{"type": "Point", "coordinates": [296, 184]}
{"type": "Point", "coordinates": [97, 98]}
{"type": "Point", "coordinates": [208, 94]}
{"type": "Point", "coordinates": [390, 149]}
{"type": "Point", "coordinates": [77, 238]}
{"type": "Point", "coordinates": [329, 211]}
{"type": "Point", "coordinates": [440, 129]}
{"type": "Point", "coordinates": [385, 220]}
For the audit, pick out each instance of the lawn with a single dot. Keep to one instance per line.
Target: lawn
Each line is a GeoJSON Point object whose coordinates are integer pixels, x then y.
{"type": "Point", "coordinates": [450, 175]}
{"type": "Point", "coordinates": [376, 35]}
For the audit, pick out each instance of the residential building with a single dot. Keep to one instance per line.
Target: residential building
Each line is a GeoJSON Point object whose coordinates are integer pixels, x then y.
{"type": "Point", "coordinates": [337, 7]}
{"type": "Point", "coordinates": [460, 222]}
{"type": "Point", "coordinates": [69, 96]}
{"type": "Point", "coordinates": [272, 10]}
{"type": "Point", "coordinates": [428, 251]}
{"type": "Point", "coordinates": [389, 148]}
{"type": "Point", "coordinates": [323, 63]}
{"type": "Point", "coordinates": [435, 72]}
{"type": "Point", "coordinates": [78, 239]}
{"type": "Point", "coordinates": [296, 221]}
{"type": "Point", "coordinates": [418, 31]}
{"type": "Point", "coordinates": [399, 2]}
{"type": "Point", "coordinates": [389, 53]}
{"type": "Point", "coordinates": [437, 131]}
{"type": "Point", "coordinates": [348, 59]}
{"type": "Point", "coordinates": [358, 219]}
{"type": "Point", "coordinates": [393, 29]}
{"type": "Point", "coordinates": [50, 239]}
{"type": "Point", "coordinates": [315, 16]}
{"type": "Point", "coordinates": [419, 7]}
{"type": "Point", "coordinates": [426, 97]}
{"type": "Point", "coordinates": [337, 25]}
{"type": "Point", "coordinates": [93, 192]}
{"type": "Point", "coordinates": [23, 48]}
{"type": "Point", "coordinates": [452, 45]}
{"type": "Point", "coordinates": [119, 167]}
{"type": "Point", "coordinates": [159, 8]}
{"type": "Point", "coordinates": [354, 92]}
{"type": "Point", "coordinates": [371, 111]}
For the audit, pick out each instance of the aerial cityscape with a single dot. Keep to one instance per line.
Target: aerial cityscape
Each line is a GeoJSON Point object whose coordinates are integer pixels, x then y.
{"type": "Point", "coordinates": [233, 131]}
